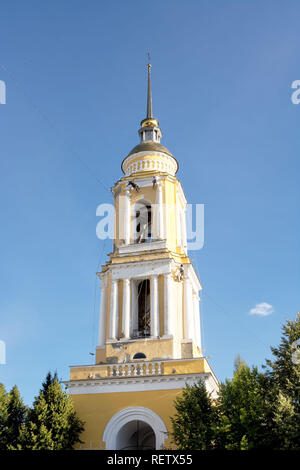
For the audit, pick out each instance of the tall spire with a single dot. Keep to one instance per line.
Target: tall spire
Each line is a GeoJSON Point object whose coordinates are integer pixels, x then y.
{"type": "Point", "coordinates": [150, 121]}
{"type": "Point", "coordinates": [149, 94]}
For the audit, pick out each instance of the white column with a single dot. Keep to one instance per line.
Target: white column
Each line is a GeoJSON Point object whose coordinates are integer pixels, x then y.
{"type": "Point", "coordinates": [154, 306]}
{"type": "Point", "coordinates": [197, 320]}
{"type": "Point", "coordinates": [114, 309]}
{"type": "Point", "coordinates": [178, 220]}
{"type": "Point", "coordinates": [127, 217]}
{"type": "Point", "coordinates": [102, 319]}
{"type": "Point", "coordinates": [168, 305]}
{"type": "Point", "coordinates": [126, 308]}
{"type": "Point", "coordinates": [188, 310]}
{"type": "Point", "coordinates": [160, 212]}
{"type": "Point", "coordinates": [196, 335]}
{"type": "Point", "coordinates": [183, 229]}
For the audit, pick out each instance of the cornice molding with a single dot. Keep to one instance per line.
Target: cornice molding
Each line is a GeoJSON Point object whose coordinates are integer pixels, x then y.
{"type": "Point", "coordinates": [139, 383]}
{"type": "Point", "coordinates": [169, 165]}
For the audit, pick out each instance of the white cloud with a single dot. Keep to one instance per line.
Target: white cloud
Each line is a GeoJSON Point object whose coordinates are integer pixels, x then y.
{"type": "Point", "coordinates": [262, 309]}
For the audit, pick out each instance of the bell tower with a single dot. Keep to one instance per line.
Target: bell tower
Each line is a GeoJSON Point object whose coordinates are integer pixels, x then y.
{"type": "Point", "coordinates": [149, 338]}
{"type": "Point", "coordinates": [150, 290]}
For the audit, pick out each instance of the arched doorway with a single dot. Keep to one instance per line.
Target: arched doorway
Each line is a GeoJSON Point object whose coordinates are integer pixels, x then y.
{"type": "Point", "coordinates": [136, 435]}
{"type": "Point", "coordinates": [113, 440]}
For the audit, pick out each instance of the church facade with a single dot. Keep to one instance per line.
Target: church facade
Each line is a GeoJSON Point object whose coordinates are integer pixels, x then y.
{"type": "Point", "coordinates": [149, 344]}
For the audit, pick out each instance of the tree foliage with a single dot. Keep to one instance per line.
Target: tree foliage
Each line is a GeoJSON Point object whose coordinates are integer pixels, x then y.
{"type": "Point", "coordinates": [254, 409]}
{"type": "Point", "coordinates": [283, 373]}
{"type": "Point", "coordinates": [12, 417]}
{"type": "Point", "coordinates": [242, 411]}
{"type": "Point", "coordinates": [51, 423]}
{"type": "Point", "coordinates": [193, 424]}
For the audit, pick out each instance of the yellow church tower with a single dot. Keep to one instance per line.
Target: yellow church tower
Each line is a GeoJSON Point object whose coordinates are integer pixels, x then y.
{"type": "Point", "coordinates": [149, 344]}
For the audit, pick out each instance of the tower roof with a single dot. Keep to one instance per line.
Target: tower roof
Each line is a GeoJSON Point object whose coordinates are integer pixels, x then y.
{"type": "Point", "coordinates": [150, 146]}
{"type": "Point", "coordinates": [150, 132]}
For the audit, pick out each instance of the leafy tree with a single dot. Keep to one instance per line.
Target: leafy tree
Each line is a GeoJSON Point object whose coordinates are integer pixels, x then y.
{"type": "Point", "coordinates": [243, 412]}
{"type": "Point", "coordinates": [195, 419]}
{"type": "Point", "coordinates": [284, 370]}
{"type": "Point", "coordinates": [283, 373]}
{"type": "Point", "coordinates": [52, 423]}
{"type": "Point", "coordinates": [254, 409]}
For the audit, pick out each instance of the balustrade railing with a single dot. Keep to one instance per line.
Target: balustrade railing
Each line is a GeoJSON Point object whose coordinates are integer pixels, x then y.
{"type": "Point", "coordinates": [135, 369]}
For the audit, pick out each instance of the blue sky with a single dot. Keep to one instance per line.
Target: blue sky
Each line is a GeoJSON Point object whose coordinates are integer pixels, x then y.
{"type": "Point", "coordinates": [76, 91]}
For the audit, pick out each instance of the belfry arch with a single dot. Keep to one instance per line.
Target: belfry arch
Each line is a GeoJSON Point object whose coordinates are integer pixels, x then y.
{"type": "Point", "coordinates": [142, 222]}
{"type": "Point", "coordinates": [143, 302]}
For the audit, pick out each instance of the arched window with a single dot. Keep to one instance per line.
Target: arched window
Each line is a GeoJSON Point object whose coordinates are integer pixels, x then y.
{"type": "Point", "coordinates": [139, 355]}
{"type": "Point", "coordinates": [144, 308]}
{"type": "Point", "coordinates": [143, 222]}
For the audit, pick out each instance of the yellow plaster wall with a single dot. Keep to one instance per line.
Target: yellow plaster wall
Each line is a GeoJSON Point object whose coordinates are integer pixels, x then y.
{"type": "Point", "coordinates": [185, 367]}
{"type": "Point", "coordinates": [153, 349]}
{"type": "Point", "coordinates": [100, 355]}
{"type": "Point", "coordinates": [97, 409]}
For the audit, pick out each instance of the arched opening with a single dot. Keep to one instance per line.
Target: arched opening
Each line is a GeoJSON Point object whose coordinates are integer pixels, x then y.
{"type": "Point", "coordinates": [142, 222]}
{"type": "Point", "coordinates": [144, 308]}
{"type": "Point", "coordinates": [139, 355]}
{"type": "Point", "coordinates": [136, 435]}
{"type": "Point", "coordinates": [129, 415]}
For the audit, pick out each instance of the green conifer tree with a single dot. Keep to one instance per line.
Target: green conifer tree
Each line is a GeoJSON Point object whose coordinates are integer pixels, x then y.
{"type": "Point", "coordinates": [283, 393]}
{"type": "Point", "coordinates": [12, 417]}
{"type": "Point", "coordinates": [3, 416]}
{"type": "Point", "coordinates": [16, 416]}
{"type": "Point", "coordinates": [195, 419]}
{"type": "Point", "coordinates": [242, 411]}
{"type": "Point", "coordinates": [52, 423]}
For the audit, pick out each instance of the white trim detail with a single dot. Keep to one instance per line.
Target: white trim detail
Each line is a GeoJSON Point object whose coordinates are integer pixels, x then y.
{"type": "Point", "coordinates": [141, 384]}
{"type": "Point", "coordinates": [168, 311]}
{"type": "Point", "coordinates": [188, 310]}
{"type": "Point", "coordinates": [126, 308]}
{"type": "Point", "coordinates": [133, 413]}
{"type": "Point", "coordinates": [127, 217]}
{"type": "Point", "coordinates": [102, 318]}
{"type": "Point", "coordinates": [154, 306]}
{"type": "Point", "coordinates": [164, 163]}
{"type": "Point", "coordinates": [160, 215]}
{"type": "Point", "coordinates": [139, 247]}
{"type": "Point", "coordinates": [114, 309]}
{"type": "Point", "coordinates": [141, 269]}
